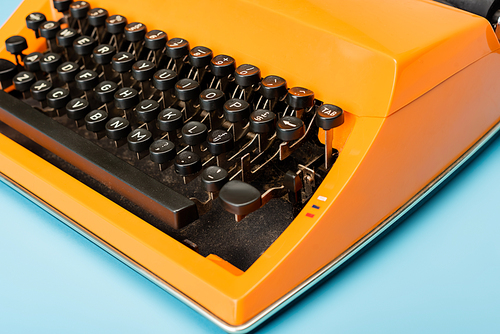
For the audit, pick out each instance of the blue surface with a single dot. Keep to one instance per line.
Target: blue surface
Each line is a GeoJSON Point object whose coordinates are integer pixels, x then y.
{"type": "Point", "coordinates": [438, 272]}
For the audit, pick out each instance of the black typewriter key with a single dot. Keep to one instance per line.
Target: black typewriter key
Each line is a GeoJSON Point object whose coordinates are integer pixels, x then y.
{"type": "Point", "coordinates": [273, 87]}
{"type": "Point", "coordinates": [34, 20]}
{"type": "Point", "coordinates": [200, 56]}
{"type": "Point", "coordinates": [84, 45]}
{"type": "Point", "coordinates": [187, 163]}
{"type": "Point", "coordinates": [247, 75]}
{"type": "Point", "coordinates": [57, 98]}
{"type": "Point", "coordinates": [122, 62]}
{"type": "Point", "coordinates": [86, 80]}
{"type": "Point", "coordinates": [50, 62]}
{"type": "Point", "coordinates": [78, 108]}
{"type": "Point", "coordinates": [97, 17]}
{"type": "Point", "coordinates": [62, 5]}
{"type": "Point", "coordinates": [300, 98]}
{"type": "Point", "coordinates": [49, 29]}
{"type": "Point", "coordinates": [328, 117]}
{"type": "Point", "coordinates": [240, 198]}
{"type": "Point", "coordinates": [187, 89]}
{"type": "Point", "coordinates": [79, 9]}
{"type": "Point", "coordinates": [96, 120]}
{"type": "Point", "coordinates": [32, 61]}
{"type": "Point", "coordinates": [139, 140]}
{"type": "Point", "coordinates": [143, 70]}
{"type": "Point", "coordinates": [126, 98]}
{"type": "Point", "coordinates": [169, 120]}
{"type": "Point", "coordinates": [7, 72]}
{"type": "Point", "coordinates": [290, 128]}
{"type": "Point", "coordinates": [23, 81]}
{"type": "Point", "coordinates": [222, 65]}
{"type": "Point", "coordinates": [103, 53]}
{"type": "Point", "coordinates": [65, 37]}
{"type": "Point", "coordinates": [162, 151]}
{"type": "Point", "coordinates": [67, 71]}
{"type": "Point", "coordinates": [16, 45]}
{"type": "Point", "coordinates": [135, 31]}
{"type": "Point", "coordinates": [262, 121]}
{"type": "Point", "coordinates": [219, 142]}
{"type": "Point", "coordinates": [214, 178]}
{"type": "Point", "coordinates": [147, 111]}
{"type": "Point", "coordinates": [194, 133]}
{"type": "Point", "coordinates": [117, 128]}
{"type": "Point", "coordinates": [212, 99]}
{"type": "Point", "coordinates": [155, 40]}
{"type": "Point", "coordinates": [236, 110]}
{"type": "Point", "coordinates": [105, 91]}
{"type": "Point", "coordinates": [177, 48]}
{"type": "Point", "coordinates": [164, 79]}
{"type": "Point", "coordinates": [115, 24]}
{"type": "Point", "coordinates": [40, 89]}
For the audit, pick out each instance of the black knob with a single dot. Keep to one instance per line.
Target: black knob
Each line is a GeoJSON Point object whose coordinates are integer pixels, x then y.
{"type": "Point", "coordinates": [40, 89]}
{"type": "Point", "coordinates": [139, 140]}
{"type": "Point", "coordinates": [117, 128]}
{"type": "Point", "coordinates": [240, 198]}
{"type": "Point", "coordinates": [105, 91]}
{"type": "Point", "coordinates": [135, 31]}
{"type": "Point", "coordinates": [273, 87]}
{"type": "Point", "coordinates": [262, 121]}
{"type": "Point", "coordinates": [7, 71]}
{"type": "Point", "coordinates": [79, 9]}
{"type": "Point", "coordinates": [200, 56]}
{"type": "Point", "coordinates": [164, 79]}
{"type": "Point", "coordinates": [247, 75]}
{"type": "Point", "coordinates": [169, 119]}
{"type": "Point", "coordinates": [143, 70]}
{"type": "Point", "coordinates": [212, 99]}
{"type": "Point", "coordinates": [329, 116]}
{"type": "Point", "coordinates": [222, 65]}
{"type": "Point", "coordinates": [57, 98]}
{"type": "Point", "coordinates": [194, 133]}
{"type": "Point", "coordinates": [236, 110]}
{"type": "Point", "coordinates": [84, 45]}
{"type": "Point", "coordinates": [187, 89]}
{"type": "Point", "coordinates": [147, 110]}
{"type": "Point", "coordinates": [103, 53]}
{"type": "Point", "coordinates": [34, 20]}
{"type": "Point", "coordinates": [62, 5]}
{"type": "Point", "coordinates": [115, 24]}
{"type": "Point", "coordinates": [126, 98]}
{"type": "Point", "coordinates": [300, 98]}
{"type": "Point", "coordinates": [219, 141]}
{"type": "Point", "coordinates": [96, 120]}
{"type": "Point", "coordinates": [66, 37]}
{"type": "Point", "coordinates": [79, 108]}
{"type": "Point", "coordinates": [155, 40]}
{"type": "Point", "coordinates": [50, 62]}
{"type": "Point", "coordinates": [16, 44]}
{"type": "Point", "coordinates": [122, 62]}
{"type": "Point", "coordinates": [32, 61]}
{"type": "Point", "coordinates": [177, 48]}
{"type": "Point", "coordinates": [67, 71]}
{"type": "Point", "coordinates": [86, 80]}
{"type": "Point", "coordinates": [49, 29]}
{"type": "Point", "coordinates": [161, 151]}
{"type": "Point", "coordinates": [97, 17]}
{"type": "Point", "coordinates": [290, 128]}
{"type": "Point", "coordinates": [23, 81]}
{"type": "Point", "coordinates": [187, 163]}
{"type": "Point", "coordinates": [214, 178]}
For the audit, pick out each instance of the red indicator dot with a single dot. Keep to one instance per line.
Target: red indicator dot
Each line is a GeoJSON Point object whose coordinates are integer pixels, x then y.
{"type": "Point", "coordinates": [310, 215]}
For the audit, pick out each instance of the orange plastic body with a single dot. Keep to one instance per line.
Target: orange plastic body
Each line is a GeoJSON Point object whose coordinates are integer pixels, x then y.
{"type": "Point", "coordinates": [417, 79]}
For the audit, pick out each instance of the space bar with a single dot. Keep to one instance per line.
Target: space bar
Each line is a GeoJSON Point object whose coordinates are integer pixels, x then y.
{"type": "Point", "coordinates": [167, 205]}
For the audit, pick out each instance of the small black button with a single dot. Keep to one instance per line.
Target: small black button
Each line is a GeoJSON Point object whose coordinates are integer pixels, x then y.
{"type": "Point", "coordinates": [236, 110]}
{"type": "Point", "coordinates": [86, 80]}
{"type": "Point", "coordinates": [212, 99]}
{"type": "Point", "coordinates": [23, 81]}
{"type": "Point", "coordinates": [214, 178]}
{"type": "Point", "coordinates": [187, 89]}
{"type": "Point", "coordinates": [273, 87]}
{"type": "Point", "coordinates": [262, 121]}
{"type": "Point", "coordinates": [300, 98]}
{"type": "Point", "coordinates": [161, 151]}
{"type": "Point", "coordinates": [65, 37]}
{"type": "Point", "coordinates": [219, 141]}
{"type": "Point", "coordinates": [164, 79]}
{"type": "Point", "coordinates": [155, 40]}
{"type": "Point", "coordinates": [187, 163]}
{"type": "Point", "coordinates": [222, 65]}
{"type": "Point", "coordinates": [290, 128]}
{"type": "Point", "coordinates": [7, 72]}
{"type": "Point", "coordinates": [240, 198]}
{"type": "Point", "coordinates": [49, 29]}
{"type": "Point", "coordinates": [105, 91]}
{"type": "Point", "coordinates": [97, 17]}
{"type": "Point", "coordinates": [143, 70]}
{"type": "Point", "coordinates": [122, 62]}
{"type": "Point", "coordinates": [57, 98]}
{"type": "Point", "coordinates": [139, 140]}
{"type": "Point", "coordinates": [32, 61]}
{"type": "Point", "coordinates": [115, 24]}
{"type": "Point", "coordinates": [147, 110]}
{"type": "Point", "coordinates": [67, 71]}
{"type": "Point", "coordinates": [78, 108]}
{"type": "Point", "coordinates": [329, 116]}
{"type": "Point", "coordinates": [40, 89]}
{"type": "Point", "coordinates": [84, 45]}
{"type": "Point", "coordinates": [194, 133]}
{"type": "Point", "coordinates": [50, 62]}
{"type": "Point", "coordinates": [34, 20]}
{"type": "Point", "coordinates": [79, 9]}
{"type": "Point", "coordinates": [200, 56]}
{"type": "Point", "coordinates": [62, 5]}
{"type": "Point", "coordinates": [103, 53]}
{"type": "Point", "coordinates": [135, 31]}
{"type": "Point", "coordinates": [126, 98]}
{"type": "Point", "coordinates": [16, 44]}
{"type": "Point", "coordinates": [169, 119]}
{"type": "Point", "coordinates": [247, 75]}
{"type": "Point", "coordinates": [96, 120]}
{"type": "Point", "coordinates": [117, 128]}
{"type": "Point", "coordinates": [177, 48]}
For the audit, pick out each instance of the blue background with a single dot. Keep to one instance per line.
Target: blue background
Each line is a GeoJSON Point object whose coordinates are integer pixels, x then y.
{"type": "Point", "coordinates": [438, 272]}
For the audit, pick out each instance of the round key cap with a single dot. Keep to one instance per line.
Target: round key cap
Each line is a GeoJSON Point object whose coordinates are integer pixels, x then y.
{"type": "Point", "coordinates": [177, 48]}
{"type": "Point", "coordinates": [187, 89]}
{"type": "Point", "coordinates": [164, 79]}
{"type": "Point", "coordinates": [32, 61]}
{"type": "Point", "coordinates": [103, 53]}
{"type": "Point", "coordinates": [16, 44]}
{"type": "Point", "coordinates": [96, 120]}
{"type": "Point", "coordinates": [139, 140]}
{"type": "Point", "coordinates": [147, 110]}
{"type": "Point", "coordinates": [86, 80]}
{"type": "Point", "coordinates": [135, 31]}
{"type": "Point", "coordinates": [169, 119]}
{"type": "Point", "coordinates": [219, 141]}
{"type": "Point", "coordinates": [115, 24]}
{"type": "Point", "coordinates": [7, 72]}
{"type": "Point", "coordinates": [62, 5]}
{"type": "Point", "coordinates": [122, 62]}
{"type": "Point", "coordinates": [84, 45]}
{"type": "Point", "coordinates": [66, 37]}
{"type": "Point", "coordinates": [155, 40]}
{"type": "Point", "coordinates": [329, 116]}
{"type": "Point", "coordinates": [212, 99]}
{"type": "Point", "coordinates": [240, 198]}
{"type": "Point", "coordinates": [79, 9]}
{"type": "Point", "coordinates": [67, 71]}
{"type": "Point", "coordinates": [273, 87]}
{"type": "Point", "coordinates": [97, 17]}
{"type": "Point", "coordinates": [40, 89]}
{"type": "Point", "coordinates": [57, 98]}
{"type": "Point", "coordinates": [247, 75]}
{"type": "Point", "coordinates": [50, 62]}
{"type": "Point", "coordinates": [49, 29]}
{"type": "Point", "coordinates": [105, 91]}
{"type": "Point", "coordinates": [290, 128]}
{"type": "Point", "coordinates": [187, 163]}
{"type": "Point", "coordinates": [200, 56]}
{"type": "Point", "coordinates": [162, 151]}
{"type": "Point", "coordinates": [78, 108]}
{"type": "Point", "coordinates": [262, 121]}
{"type": "Point", "coordinates": [214, 178]}
{"type": "Point", "coordinates": [194, 133]}
{"type": "Point", "coordinates": [34, 20]}
{"type": "Point", "coordinates": [143, 70]}
{"type": "Point", "coordinates": [23, 81]}
{"type": "Point", "coordinates": [117, 128]}
{"type": "Point", "coordinates": [300, 98]}
{"type": "Point", "coordinates": [126, 98]}
{"type": "Point", "coordinates": [222, 65]}
{"type": "Point", "coordinates": [236, 110]}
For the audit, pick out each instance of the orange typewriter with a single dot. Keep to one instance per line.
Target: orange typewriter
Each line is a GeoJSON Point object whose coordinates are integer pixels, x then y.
{"type": "Point", "coordinates": [237, 156]}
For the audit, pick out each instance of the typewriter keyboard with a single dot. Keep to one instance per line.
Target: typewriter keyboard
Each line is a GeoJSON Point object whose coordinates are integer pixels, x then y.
{"type": "Point", "coordinates": [211, 152]}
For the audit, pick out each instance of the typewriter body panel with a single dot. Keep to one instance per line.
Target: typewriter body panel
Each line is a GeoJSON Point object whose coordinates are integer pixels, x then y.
{"type": "Point", "coordinates": [416, 79]}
